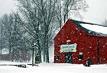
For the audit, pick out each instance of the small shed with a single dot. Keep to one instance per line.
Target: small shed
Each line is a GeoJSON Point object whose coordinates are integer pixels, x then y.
{"type": "Point", "coordinates": [77, 45]}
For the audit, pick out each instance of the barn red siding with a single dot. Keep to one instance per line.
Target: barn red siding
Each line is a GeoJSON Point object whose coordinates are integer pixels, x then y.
{"type": "Point", "coordinates": [103, 50]}
{"type": "Point", "coordinates": [92, 47]}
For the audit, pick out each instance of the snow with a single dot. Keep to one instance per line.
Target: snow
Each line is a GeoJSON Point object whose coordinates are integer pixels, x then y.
{"type": "Point", "coordinates": [95, 28]}
{"type": "Point", "coordinates": [54, 68]}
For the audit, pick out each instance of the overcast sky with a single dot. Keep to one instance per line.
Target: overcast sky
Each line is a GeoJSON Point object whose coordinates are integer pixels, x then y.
{"type": "Point", "coordinates": [97, 10]}
{"type": "Point", "coordinates": [96, 13]}
{"type": "Point", "coordinates": [6, 6]}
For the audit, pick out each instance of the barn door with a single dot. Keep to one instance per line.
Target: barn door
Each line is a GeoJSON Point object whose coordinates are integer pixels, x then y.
{"type": "Point", "coordinates": [68, 58]}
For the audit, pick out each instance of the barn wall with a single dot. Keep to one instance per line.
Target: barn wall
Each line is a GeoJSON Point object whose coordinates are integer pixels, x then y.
{"type": "Point", "coordinates": [102, 50]}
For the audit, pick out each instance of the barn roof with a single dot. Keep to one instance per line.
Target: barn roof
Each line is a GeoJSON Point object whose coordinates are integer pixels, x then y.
{"type": "Point", "coordinates": [78, 23]}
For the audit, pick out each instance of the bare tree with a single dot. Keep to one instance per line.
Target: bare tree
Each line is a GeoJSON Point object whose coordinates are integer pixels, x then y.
{"type": "Point", "coordinates": [14, 36]}
{"type": "Point", "coordinates": [31, 24]}
{"type": "Point", "coordinates": [70, 7]}
{"type": "Point", "coordinates": [41, 15]}
{"type": "Point", "coordinates": [6, 21]}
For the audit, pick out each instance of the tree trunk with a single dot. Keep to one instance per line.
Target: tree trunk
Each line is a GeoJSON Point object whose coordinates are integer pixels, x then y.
{"type": "Point", "coordinates": [46, 44]}
{"type": "Point", "coordinates": [33, 56]}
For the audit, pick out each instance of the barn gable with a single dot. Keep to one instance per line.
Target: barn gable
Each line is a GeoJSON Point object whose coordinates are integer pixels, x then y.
{"type": "Point", "coordinates": [74, 23]}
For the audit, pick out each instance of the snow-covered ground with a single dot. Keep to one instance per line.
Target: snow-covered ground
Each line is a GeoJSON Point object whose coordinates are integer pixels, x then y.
{"type": "Point", "coordinates": [54, 68]}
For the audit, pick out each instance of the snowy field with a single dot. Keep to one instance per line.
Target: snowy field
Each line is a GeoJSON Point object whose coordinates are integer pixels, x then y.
{"type": "Point", "coordinates": [54, 68]}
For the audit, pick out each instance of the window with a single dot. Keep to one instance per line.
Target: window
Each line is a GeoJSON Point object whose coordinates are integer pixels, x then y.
{"type": "Point", "coordinates": [80, 57]}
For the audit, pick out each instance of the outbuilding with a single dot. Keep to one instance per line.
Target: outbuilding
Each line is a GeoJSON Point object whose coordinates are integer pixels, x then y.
{"type": "Point", "coordinates": [78, 45]}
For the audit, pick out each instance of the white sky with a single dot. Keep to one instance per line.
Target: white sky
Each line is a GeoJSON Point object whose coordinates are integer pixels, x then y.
{"type": "Point", "coordinates": [96, 13]}
{"type": "Point", "coordinates": [6, 6]}
{"type": "Point", "coordinates": [97, 10]}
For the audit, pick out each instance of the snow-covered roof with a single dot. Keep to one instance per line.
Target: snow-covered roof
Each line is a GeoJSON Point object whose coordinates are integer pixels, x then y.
{"type": "Point", "coordinates": [92, 28]}
{"type": "Point", "coordinates": [88, 28]}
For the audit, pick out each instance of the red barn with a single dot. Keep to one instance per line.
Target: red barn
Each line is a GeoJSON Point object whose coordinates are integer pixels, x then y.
{"type": "Point", "coordinates": [77, 45]}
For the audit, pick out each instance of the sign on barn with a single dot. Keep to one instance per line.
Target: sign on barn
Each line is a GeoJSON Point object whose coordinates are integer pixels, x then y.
{"type": "Point", "coordinates": [68, 47]}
